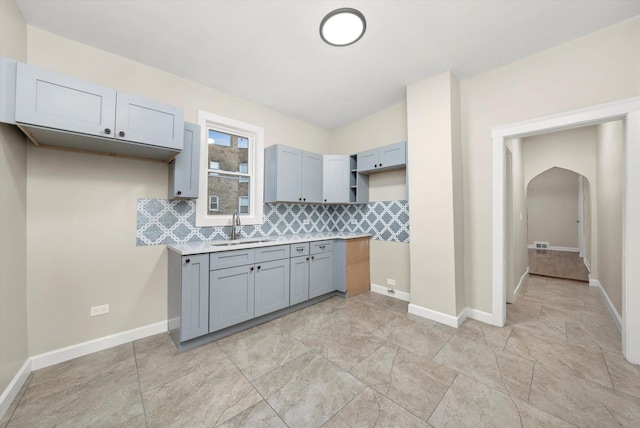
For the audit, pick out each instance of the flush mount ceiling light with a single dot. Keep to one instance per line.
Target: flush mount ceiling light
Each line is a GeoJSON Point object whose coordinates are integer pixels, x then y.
{"type": "Point", "coordinates": [343, 27]}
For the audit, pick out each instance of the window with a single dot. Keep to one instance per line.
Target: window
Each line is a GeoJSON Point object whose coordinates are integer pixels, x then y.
{"type": "Point", "coordinates": [231, 172]}
{"type": "Point", "coordinates": [214, 203]}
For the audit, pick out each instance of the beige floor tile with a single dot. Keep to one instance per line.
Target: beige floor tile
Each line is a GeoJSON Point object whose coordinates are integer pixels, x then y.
{"type": "Point", "coordinates": [138, 421]}
{"type": "Point", "coordinates": [625, 376]}
{"type": "Point", "coordinates": [582, 402]}
{"type": "Point", "coordinates": [471, 404]}
{"type": "Point", "coordinates": [500, 370]}
{"type": "Point", "coordinates": [266, 349]}
{"type": "Point", "coordinates": [480, 332]}
{"type": "Point", "coordinates": [160, 362]}
{"type": "Point", "coordinates": [605, 338]}
{"type": "Point", "coordinates": [307, 321]}
{"type": "Point", "coordinates": [372, 409]}
{"type": "Point", "coordinates": [345, 345]}
{"type": "Point", "coordinates": [413, 336]}
{"type": "Point", "coordinates": [105, 400]}
{"type": "Point", "coordinates": [308, 391]}
{"type": "Point", "coordinates": [63, 376]}
{"type": "Point", "coordinates": [582, 361]}
{"type": "Point", "coordinates": [363, 316]}
{"type": "Point", "coordinates": [409, 379]}
{"type": "Point", "coordinates": [260, 415]}
{"type": "Point", "coordinates": [552, 327]}
{"type": "Point", "coordinates": [14, 404]}
{"type": "Point", "coordinates": [396, 306]}
{"type": "Point", "coordinates": [207, 397]}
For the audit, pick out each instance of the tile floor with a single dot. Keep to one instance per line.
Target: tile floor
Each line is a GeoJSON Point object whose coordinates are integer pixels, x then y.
{"type": "Point", "coordinates": [360, 362]}
{"type": "Point", "coordinates": [558, 264]}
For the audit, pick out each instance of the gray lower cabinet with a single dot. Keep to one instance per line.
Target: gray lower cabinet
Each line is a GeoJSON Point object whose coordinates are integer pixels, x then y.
{"type": "Point", "coordinates": [183, 170]}
{"type": "Point", "coordinates": [321, 274]}
{"type": "Point", "coordinates": [271, 286]}
{"type": "Point", "coordinates": [188, 296]}
{"type": "Point", "coordinates": [299, 279]}
{"type": "Point", "coordinates": [231, 296]}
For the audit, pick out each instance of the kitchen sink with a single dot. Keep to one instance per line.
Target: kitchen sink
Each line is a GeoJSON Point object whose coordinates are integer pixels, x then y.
{"type": "Point", "coordinates": [238, 242]}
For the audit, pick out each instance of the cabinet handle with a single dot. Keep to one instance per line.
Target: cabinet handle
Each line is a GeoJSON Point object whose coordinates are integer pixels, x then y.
{"type": "Point", "coordinates": [299, 199]}
{"type": "Point", "coordinates": [380, 164]}
{"type": "Point", "coordinates": [251, 269]}
{"type": "Point", "coordinates": [322, 247]}
{"type": "Point", "coordinates": [375, 166]}
{"type": "Point", "coordinates": [325, 200]}
{"type": "Point", "coordinates": [188, 261]}
{"type": "Point", "coordinates": [307, 258]}
{"type": "Point", "coordinates": [313, 257]}
{"type": "Point", "coordinates": [259, 267]}
{"type": "Point", "coordinates": [178, 193]}
{"type": "Point", "coordinates": [107, 131]}
{"type": "Point", "coordinates": [304, 199]}
{"type": "Point", "coordinates": [299, 249]}
{"type": "Point", "coordinates": [121, 133]}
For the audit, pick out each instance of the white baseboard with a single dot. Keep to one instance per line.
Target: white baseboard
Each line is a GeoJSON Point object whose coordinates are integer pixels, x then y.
{"type": "Point", "coordinates": [587, 263]}
{"type": "Point", "coordinates": [478, 315]}
{"type": "Point", "coordinates": [522, 279]}
{"type": "Point", "coordinates": [12, 390]}
{"type": "Point", "coordinates": [440, 317]}
{"type": "Point", "coordinates": [70, 352]}
{"type": "Point", "coordinates": [400, 295]}
{"type": "Point", "coordinates": [612, 310]}
{"type": "Point", "coordinates": [553, 248]}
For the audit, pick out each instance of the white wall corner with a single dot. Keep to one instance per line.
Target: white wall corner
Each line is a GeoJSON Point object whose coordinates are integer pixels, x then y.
{"type": "Point", "coordinates": [440, 317]}
{"type": "Point", "coordinates": [522, 279]}
{"type": "Point", "coordinates": [396, 294]}
{"type": "Point", "coordinates": [74, 351]}
{"type": "Point", "coordinates": [587, 263]}
{"type": "Point", "coordinates": [12, 390]}
{"type": "Point", "coordinates": [479, 315]}
{"type": "Point", "coordinates": [612, 310]}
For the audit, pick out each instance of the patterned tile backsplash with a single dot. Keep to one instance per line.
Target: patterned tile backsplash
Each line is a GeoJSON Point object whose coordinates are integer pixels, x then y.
{"type": "Point", "coordinates": [161, 221]}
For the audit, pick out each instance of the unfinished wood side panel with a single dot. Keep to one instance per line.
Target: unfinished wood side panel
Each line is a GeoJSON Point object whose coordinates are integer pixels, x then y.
{"type": "Point", "coordinates": [358, 273]}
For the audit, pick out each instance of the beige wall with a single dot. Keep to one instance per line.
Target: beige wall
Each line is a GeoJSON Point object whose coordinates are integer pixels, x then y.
{"type": "Point", "coordinates": [609, 162]}
{"type": "Point", "coordinates": [518, 234]}
{"type": "Point", "coordinates": [433, 190]}
{"type": "Point", "coordinates": [588, 222]}
{"type": "Point", "coordinates": [552, 200]}
{"type": "Point", "coordinates": [82, 208]}
{"type": "Point", "coordinates": [601, 67]}
{"type": "Point", "coordinates": [14, 349]}
{"type": "Point", "coordinates": [573, 150]}
{"type": "Point", "coordinates": [389, 260]}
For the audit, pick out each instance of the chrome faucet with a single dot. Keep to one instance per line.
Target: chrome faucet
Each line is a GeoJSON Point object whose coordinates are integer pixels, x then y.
{"type": "Point", "coordinates": [235, 221]}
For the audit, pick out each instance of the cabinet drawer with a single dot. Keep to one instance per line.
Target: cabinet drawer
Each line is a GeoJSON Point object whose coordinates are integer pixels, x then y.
{"type": "Point", "coordinates": [321, 247]}
{"type": "Point", "coordinates": [271, 253]}
{"type": "Point", "coordinates": [300, 249]}
{"type": "Point", "coordinates": [227, 259]}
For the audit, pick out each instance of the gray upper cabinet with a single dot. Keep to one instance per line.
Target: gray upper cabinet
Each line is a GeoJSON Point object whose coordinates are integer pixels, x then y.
{"type": "Point", "coordinates": [393, 156]}
{"type": "Point", "coordinates": [336, 176]}
{"type": "Point", "coordinates": [231, 296]}
{"type": "Point", "coordinates": [53, 100]}
{"type": "Point", "coordinates": [148, 122]}
{"type": "Point", "coordinates": [292, 175]}
{"type": "Point", "coordinates": [184, 170]}
{"type": "Point", "coordinates": [61, 111]}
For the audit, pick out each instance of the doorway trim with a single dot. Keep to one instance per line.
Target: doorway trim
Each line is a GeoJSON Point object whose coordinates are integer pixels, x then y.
{"type": "Point", "coordinates": [627, 110]}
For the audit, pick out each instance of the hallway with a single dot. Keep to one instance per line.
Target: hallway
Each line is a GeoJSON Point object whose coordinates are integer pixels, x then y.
{"type": "Point", "coordinates": [558, 264]}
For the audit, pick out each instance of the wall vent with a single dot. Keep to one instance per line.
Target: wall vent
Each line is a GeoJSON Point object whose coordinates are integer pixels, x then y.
{"type": "Point", "coordinates": [541, 245]}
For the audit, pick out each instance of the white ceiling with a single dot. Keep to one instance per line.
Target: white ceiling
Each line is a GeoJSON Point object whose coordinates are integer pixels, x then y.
{"type": "Point", "coordinates": [269, 52]}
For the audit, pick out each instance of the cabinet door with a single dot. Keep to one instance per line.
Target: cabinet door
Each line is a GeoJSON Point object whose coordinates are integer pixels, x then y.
{"type": "Point", "coordinates": [393, 155]}
{"type": "Point", "coordinates": [272, 286]}
{"type": "Point", "coordinates": [231, 296]}
{"type": "Point", "coordinates": [52, 100]}
{"type": "Point", "coordinates": [311, 177]}
{"type": "Point", "coordinates": [289, 171]}
{"type": "Point", "coordinates": [321, 274]}
{"type": "Point", "coordinates": [149, 122]}
{"type": "Point", "coordinates": [184, 169]}
{"type": "Point", "coordinates": [299, 283]}
{"type": "Point", "coordinates": [195, 296]}
{"type": "Point", "coordinates": [368, 160]}
{"type": "Point", "coordinates": [335, 178]}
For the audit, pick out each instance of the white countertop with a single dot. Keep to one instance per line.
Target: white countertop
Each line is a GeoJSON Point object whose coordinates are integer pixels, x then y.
{"type": "Point", "coordinates": [199, 247]}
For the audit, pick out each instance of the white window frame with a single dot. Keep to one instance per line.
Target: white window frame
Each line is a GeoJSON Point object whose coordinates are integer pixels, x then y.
{"type": "Point", "coordinates": [217, 202]}
{"type": "Point", "coordinates": [255, 135]}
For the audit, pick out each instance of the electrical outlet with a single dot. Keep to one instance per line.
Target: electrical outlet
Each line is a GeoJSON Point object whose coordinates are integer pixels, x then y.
{"type": "Point", "coordinates": [391, 281]}
{"type": "Point", "coordinates": [354, 221]}
{"type": "Point", "coordinates": [99, 310]}
{"type": "Point", "coordinates": [306, 222]}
